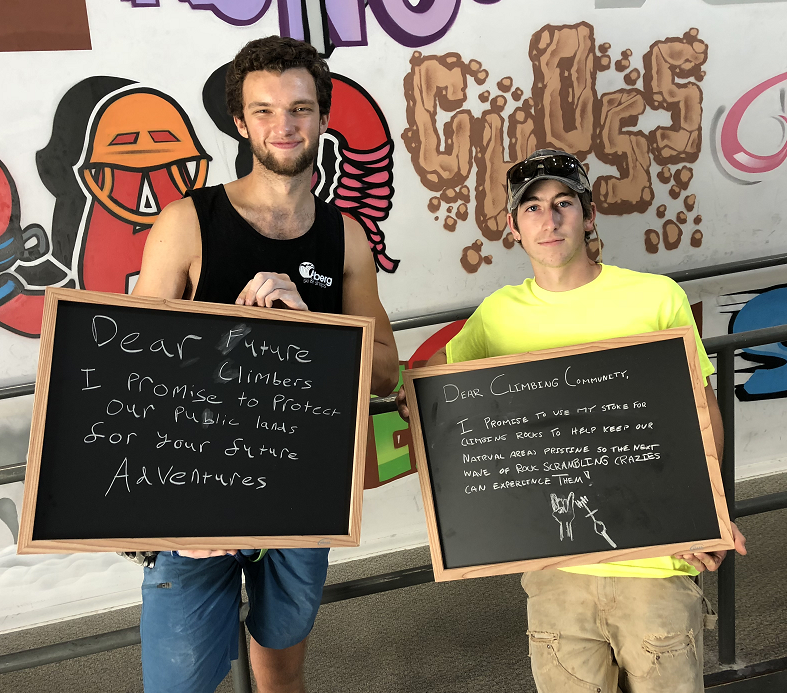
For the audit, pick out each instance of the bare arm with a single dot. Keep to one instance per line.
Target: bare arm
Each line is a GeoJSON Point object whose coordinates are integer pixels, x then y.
{"type": "Point", "coordinates": [359, 297]}
{"type": "Point", "coordinates": [172, 259]}
{"type": "Point", "coordinates": [171, 265]}
{"type": "Point", "coordinates": [716, 423]}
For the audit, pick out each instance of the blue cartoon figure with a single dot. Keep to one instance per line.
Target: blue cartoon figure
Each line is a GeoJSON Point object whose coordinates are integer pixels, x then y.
{"type": "Point", "coordinates": [769, 378]}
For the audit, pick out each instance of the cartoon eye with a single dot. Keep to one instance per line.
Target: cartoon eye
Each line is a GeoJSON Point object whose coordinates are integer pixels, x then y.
{"type": "Point", "coordinates": [125, 138]}
{"type": "Point", "coordinates": [159, 136]}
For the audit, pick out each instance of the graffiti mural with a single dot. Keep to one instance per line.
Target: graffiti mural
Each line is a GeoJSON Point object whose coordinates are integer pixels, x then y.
{"type": "Point", "coordinates": [354, 167]}
{"type": "Point", "coordinates": [117, 155]}
{"type": "Point", "coordinates": [766, 308]}
{"type": "Point", "coordinates": [330, 24]}
{"type": "Point", "coordinates": [565, 112]}
{"type": "Point", "coordinates": [739, 163]}
{"type": "Point", "coordinates": [21, 249]}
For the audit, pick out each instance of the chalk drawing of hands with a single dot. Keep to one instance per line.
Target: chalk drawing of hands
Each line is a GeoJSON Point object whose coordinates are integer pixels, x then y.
{"type": "Point", "coordinates": [563, 512]}
{"type": "Point", "coordinates": [599, 527]}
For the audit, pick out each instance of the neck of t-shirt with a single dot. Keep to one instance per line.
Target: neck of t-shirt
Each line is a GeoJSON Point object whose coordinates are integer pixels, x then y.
{"type": "Point", "coordinates": [563, 279]}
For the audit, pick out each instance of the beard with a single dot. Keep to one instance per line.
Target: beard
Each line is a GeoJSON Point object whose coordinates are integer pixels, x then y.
{"type": "Point", "coordinates": [268, 160]}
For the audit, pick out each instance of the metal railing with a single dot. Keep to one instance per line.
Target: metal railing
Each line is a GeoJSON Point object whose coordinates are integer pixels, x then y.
{"type": "Point", "coordinates": [679, 276]}
{"type": "Point", "coordinates": [724, 346]}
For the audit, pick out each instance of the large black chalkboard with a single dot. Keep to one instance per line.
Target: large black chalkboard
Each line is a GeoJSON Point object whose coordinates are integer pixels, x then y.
{"type": "Point", "coordinates": [165, 423]}
{"type": "Point", "coordinates": [595, 451]}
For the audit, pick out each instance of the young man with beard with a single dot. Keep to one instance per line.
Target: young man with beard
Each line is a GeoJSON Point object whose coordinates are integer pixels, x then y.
{"type": "Point", "coordinates": [634, 623]}
{"type": "Point", "coordinates": [250, 242]}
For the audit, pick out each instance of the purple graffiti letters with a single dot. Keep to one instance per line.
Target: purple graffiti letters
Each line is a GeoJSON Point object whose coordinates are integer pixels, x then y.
{"type": "Point", "coordinates": [735, 154]}
{"type": "Point", "coordinates": [347, 22]}
{"type": "Point", "coordinates": [341, 22]}
{"type": "Point", "coordinates": [237, 12]}
{"type": "Point", "coordinates": [418, 25]}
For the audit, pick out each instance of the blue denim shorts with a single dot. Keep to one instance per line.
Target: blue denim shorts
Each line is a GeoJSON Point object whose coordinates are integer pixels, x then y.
{"type": "Point", "coordinates": [189, 622]}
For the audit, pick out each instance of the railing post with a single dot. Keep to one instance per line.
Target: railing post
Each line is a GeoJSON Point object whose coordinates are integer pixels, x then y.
{"type": "Point", "coordinates": [726, 395]}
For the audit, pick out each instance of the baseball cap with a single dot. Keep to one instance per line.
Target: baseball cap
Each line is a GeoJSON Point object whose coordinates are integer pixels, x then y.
{"type": "Point", "coordinates": [545, 164]}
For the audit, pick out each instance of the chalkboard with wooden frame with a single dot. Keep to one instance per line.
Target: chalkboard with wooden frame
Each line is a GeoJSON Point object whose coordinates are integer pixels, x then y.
{"type": "Point", "coordinates": [592, 453]}
{"type": "Point", "coordinates": [166, 424]}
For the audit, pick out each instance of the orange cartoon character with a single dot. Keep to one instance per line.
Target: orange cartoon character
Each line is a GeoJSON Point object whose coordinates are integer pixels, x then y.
{"type": "Point", "coordinates": [141, 154]}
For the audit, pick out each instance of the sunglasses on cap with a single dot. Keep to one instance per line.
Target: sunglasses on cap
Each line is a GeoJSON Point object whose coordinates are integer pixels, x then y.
{"type": "Point", "coordinates": [556, 166]}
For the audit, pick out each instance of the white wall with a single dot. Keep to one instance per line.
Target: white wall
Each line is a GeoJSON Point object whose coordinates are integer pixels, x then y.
{"type": "Point", "coordinates": [174, 48]}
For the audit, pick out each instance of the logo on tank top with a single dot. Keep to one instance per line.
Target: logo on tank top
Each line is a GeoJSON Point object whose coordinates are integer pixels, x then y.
{"type": "Point", "coordinates": [311, 277]}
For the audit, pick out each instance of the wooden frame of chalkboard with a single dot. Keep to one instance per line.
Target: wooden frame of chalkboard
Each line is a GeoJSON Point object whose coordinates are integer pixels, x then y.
{"type": "Point", "coordinates": [603, 458]}
{"type": "Point", "coordinates": [260, 432]}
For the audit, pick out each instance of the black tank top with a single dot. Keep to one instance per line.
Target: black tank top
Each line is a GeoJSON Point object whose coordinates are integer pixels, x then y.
{"type": "Point", "coordinates": [233, 252]}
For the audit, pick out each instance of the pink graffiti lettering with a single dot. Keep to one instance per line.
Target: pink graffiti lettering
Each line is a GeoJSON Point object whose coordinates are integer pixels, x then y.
{"type": "Point", "coordinates": [733, 151]}
{"type": "Point", "coordinates": [339, 22]}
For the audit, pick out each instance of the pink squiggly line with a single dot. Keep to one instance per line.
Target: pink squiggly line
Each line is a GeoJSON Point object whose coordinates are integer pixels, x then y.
{"type": "Point", "coordinates": [733, 151]}
{"type": "Point", "coordinates": [365, 193]}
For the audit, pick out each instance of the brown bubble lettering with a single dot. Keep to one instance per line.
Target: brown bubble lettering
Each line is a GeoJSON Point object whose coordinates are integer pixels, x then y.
{"type": "Point", "coordinates": [627, 151]}
{"type": "Point", "coordinates": [438, 82]}
{"type": "Point", "coordinates": [664, 62]}
{"type": "Point", "coordinates": [564, 86]}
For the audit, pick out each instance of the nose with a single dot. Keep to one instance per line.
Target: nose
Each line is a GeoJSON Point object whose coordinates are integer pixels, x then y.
{"type": "Point", "coordinates": [285, 124]}
{"type": "Point", "coordinates": [551, 219]}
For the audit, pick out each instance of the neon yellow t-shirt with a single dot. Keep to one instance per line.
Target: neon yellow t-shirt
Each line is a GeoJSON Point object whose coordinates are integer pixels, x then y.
{"type": "Point", "coordinates": [617, 303]}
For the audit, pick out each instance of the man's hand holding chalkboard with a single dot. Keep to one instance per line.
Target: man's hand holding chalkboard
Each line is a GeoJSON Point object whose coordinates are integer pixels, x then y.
{"type": "Point", "coordinates": [271, 290]}
{"type": "Point", "coordinates": [712, 560]}
{"type": "Point", "coordinates": [437, 359]}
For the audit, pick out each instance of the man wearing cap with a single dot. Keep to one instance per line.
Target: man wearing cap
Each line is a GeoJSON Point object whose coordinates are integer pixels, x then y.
{"type": "Point", "coordinates": [638, 623]}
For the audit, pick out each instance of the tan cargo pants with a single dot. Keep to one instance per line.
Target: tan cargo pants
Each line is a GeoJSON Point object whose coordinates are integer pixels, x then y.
{"type": "Point", "coordinates": [593, 634]}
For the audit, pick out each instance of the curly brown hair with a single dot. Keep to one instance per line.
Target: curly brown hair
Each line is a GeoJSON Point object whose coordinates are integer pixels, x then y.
{"type": "Point", "coordinates": [277, 54]}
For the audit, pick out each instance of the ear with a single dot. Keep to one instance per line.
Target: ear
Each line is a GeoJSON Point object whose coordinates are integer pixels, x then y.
{"type": "Point", "coordinates": [590, 222]}
{"type": "Point", "coordinates": [324, 123]}
{"type": "Point", "coordinates": [514, 232]}
{"type": "Point", "coordinates": [241, 125]}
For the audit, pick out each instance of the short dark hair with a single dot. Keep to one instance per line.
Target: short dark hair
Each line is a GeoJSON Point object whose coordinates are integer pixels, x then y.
{"type": "Point", "coordinates": [277, 54]}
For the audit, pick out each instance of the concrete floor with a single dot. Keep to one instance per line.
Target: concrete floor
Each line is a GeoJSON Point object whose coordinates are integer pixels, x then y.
{"type": "Point", "coordinates": [459, 637]}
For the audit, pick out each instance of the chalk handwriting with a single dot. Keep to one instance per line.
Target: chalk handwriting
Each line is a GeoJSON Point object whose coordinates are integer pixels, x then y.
{"type": "Point", "coordinates": [292, 352]}
{"type": "Point", "coordinates": [114, 438]}
{"type": "Point", "coordinates": [500, 389]}
{"type": "Point", "coordinates": [88, 386]}
{"type": "Point", "coordinates": [592, 380]}
{"type": "Point", "coordinates": [105, 329]}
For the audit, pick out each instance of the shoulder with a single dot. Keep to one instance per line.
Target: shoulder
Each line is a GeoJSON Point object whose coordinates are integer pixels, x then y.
{"type": "Point", "coordinates": [358, 260]}
{"type": "Point", "coordinates": [178, 213]}
{"type": "Point", "coordinates": [631, 279]}
{"type": "Point", "coordinates": [495, 308]}
{"type": "Point", "coordinates": [176, 229]}
{"type": "Point", "coordinates": [353, 231]}
{"type": "Point", "coordinates": [355, 244]}
{"type": "Point", "coordinates": [504, 296]}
